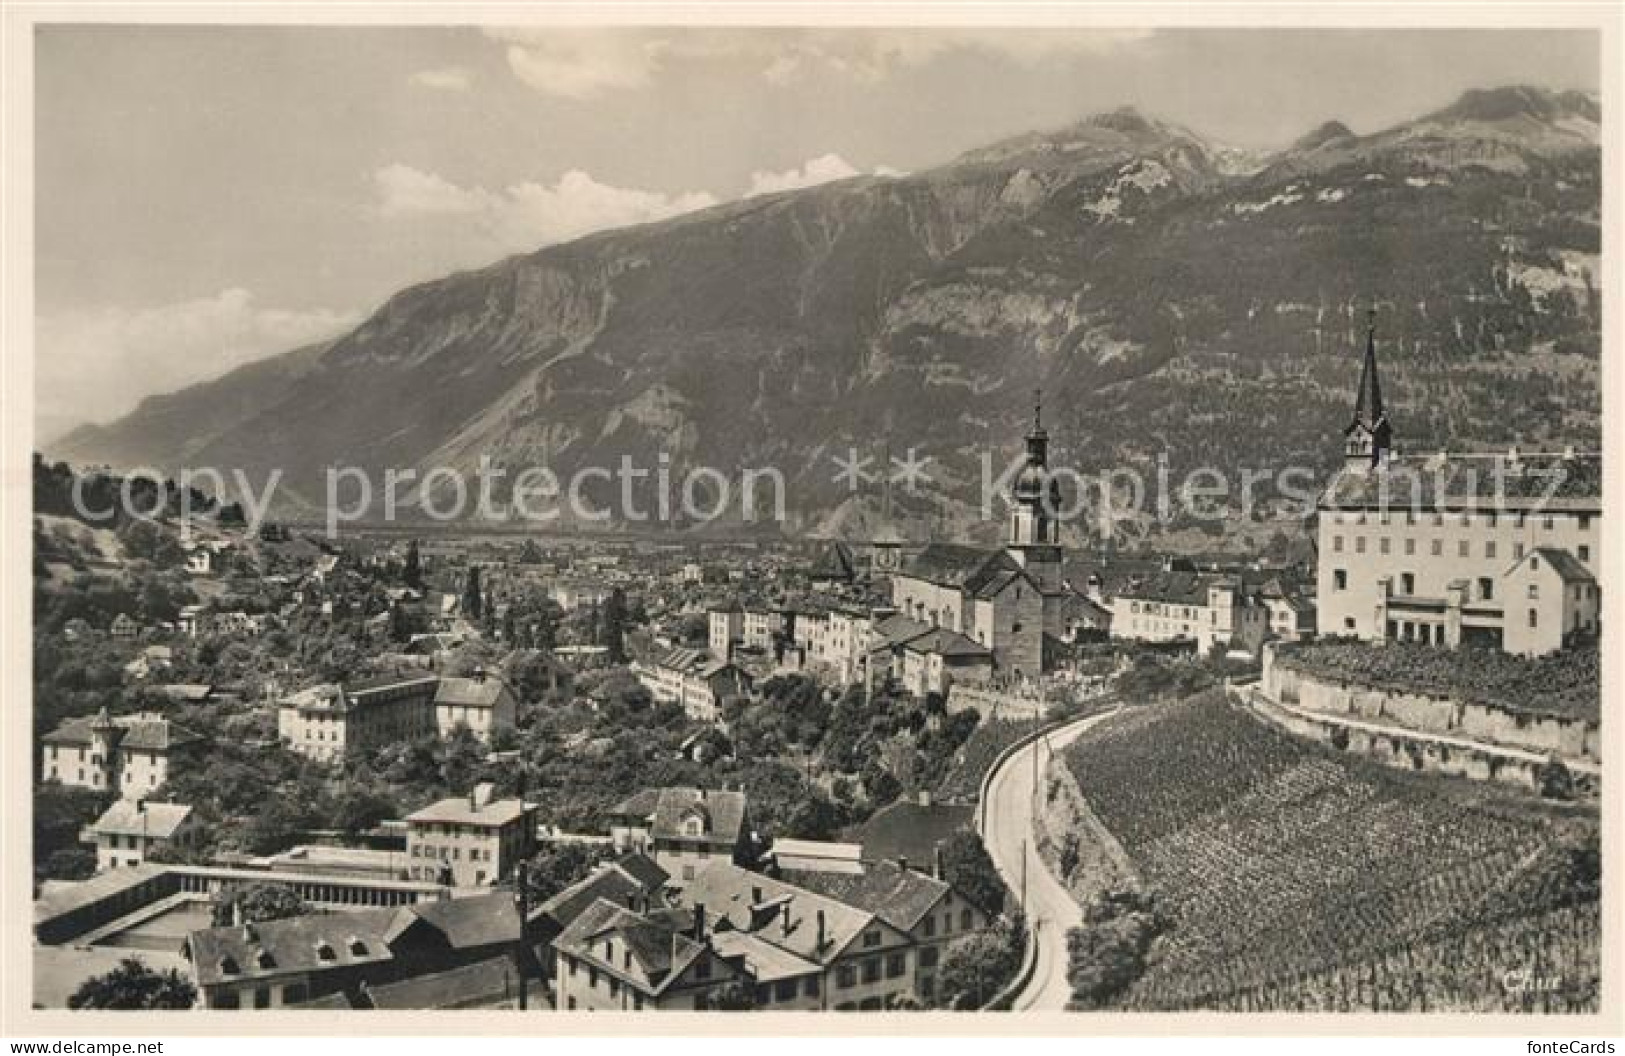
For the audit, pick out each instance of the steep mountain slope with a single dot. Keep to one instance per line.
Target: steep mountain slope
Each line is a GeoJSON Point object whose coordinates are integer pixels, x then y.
{"type": "Point", "coordinates": [1172, 298]}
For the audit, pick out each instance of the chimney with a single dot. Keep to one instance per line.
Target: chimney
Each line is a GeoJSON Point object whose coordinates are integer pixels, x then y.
{"type": "Point", "coordinates": [936, 861]}
{"type": "Point", "coordinates": [820, 945]}
{"type": "Point", "coordinates": [925, 797]}
{"type": "Point", "coordinates": [479, 674]}
{"type": "Point", "coordinates": [902, 862]}
{"type": "Point", "coordinates": [784, 917]}
{"type": "Point", "coordinates": [699, 922]}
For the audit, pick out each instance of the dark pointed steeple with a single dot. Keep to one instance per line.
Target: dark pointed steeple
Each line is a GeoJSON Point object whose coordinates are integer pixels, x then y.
{"type": "Point", "coordinates": [1366, 440]}
{"type": "Point", "coordinates": [1368, 406]}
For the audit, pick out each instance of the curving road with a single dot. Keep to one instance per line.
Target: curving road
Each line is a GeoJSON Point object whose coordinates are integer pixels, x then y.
{"type": "Point", "coordinates": [1008, 835]}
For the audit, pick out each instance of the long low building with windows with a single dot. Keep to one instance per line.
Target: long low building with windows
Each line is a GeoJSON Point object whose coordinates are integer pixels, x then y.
{"type": "Point", "coordinates": [1499, 550]}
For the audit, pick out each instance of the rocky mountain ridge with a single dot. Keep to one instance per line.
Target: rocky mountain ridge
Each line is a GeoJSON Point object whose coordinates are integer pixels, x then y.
{"type": "Point", "coordinates": [1173, 299]}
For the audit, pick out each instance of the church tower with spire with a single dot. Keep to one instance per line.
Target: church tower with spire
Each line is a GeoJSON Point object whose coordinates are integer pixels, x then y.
{"type": "Point", "coordinates": [1035, 534]}
{"type": "Point", "coordinates": [1368, 437]}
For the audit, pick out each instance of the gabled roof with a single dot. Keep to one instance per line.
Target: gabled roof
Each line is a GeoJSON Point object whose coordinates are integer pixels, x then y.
{"type": "Point", "coordinates": [834, 561]}
{"type": "Point", "coordinates": [764, 962]}
{"type": "Point", "coordinates": [660, 952]}
{"type": "Point", "coordinates": [724, 814]}
{"type": "Point", "coordinates": [896, 629]}
{"type": "Point", "coordinates": [942, 641]}
{"type": "Point", "coordinates": [313, 942]}
{"type": "Point", "coordinates": [325, 941]}
{"type": "Point", "coordinates": [158, 821]}
{"type": "Point", "coordinates": [898, 896]}
{"type": "Point", "coordinates": [478, 692]}
{"type": "Point", "coordinates": [640, 804]}
{"type": "Point", "coordinates": [479, 920]}
{"type": "Point", "coordinates": [643, 869]}
{"type": "Point", "coordinates": [457, 810]}
{"type": "Point", "coordinates": [780, 913]}
{"type": "Point", "coordinates": [1176, 588]}
{"type": "Point", "coordinates": [907, 829]}
{"type": "Point", "coordinates": [951, 565]}
{"type": "Point", "coordinates": [483, 982]}
{"type": "Point", "coordinates": [1565, 564]}
{"type": "Point", "coordinates": [625, 881]}
{"type": "Point", "coordinates": [140, 733]}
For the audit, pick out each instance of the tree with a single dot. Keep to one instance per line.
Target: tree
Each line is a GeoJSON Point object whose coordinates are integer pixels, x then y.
{"type": "Point", "coordinates": [473, 597]}
{"type": "Point", "coordinates": [412, 573]}
{"type": "Point", "coordinates": [615, 626]}
{"type": "Point", "coordinates": [277, 827]}
{"type": "Point", "coordinates": [70, 863]}
{"type": "Point", "coordinates": [735, 997]}
{"type": "Point", "coordinates": [255, 903]}
{"type": "Point", "coordinates": [358, 809]}
{"type": "Point", "coordinates": [978, 965]}
{"type": "Point", "coordinates": [966, 866]}
{"type": "Point", "coordinates": [60, 812]}
{"type": "Point", "coordinates": [400, 624]}
{"type": "Point", "coordinates": [1107, 952]}
{"type": "Point", "coordinates": [132, 985]}
{"type": "Point", "coordinates": [560, 865]}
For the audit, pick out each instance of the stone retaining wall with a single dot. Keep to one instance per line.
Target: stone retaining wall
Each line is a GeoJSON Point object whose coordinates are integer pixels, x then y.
{"type": "Point", "coordinates": [1567, 738]}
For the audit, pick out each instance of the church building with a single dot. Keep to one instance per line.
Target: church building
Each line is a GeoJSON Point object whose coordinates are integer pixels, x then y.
{"type": "Point", "coordinates": [1490, 549]}
{"type": "Point", "coordinates": [1010, 601]}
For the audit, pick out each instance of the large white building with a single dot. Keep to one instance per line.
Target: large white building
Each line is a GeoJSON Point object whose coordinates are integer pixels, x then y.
{"type": "Point", "coordinates": [1497, 550]}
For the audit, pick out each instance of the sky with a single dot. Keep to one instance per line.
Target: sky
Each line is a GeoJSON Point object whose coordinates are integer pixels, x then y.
{"type": "Point", "coordinates": [208, 196]}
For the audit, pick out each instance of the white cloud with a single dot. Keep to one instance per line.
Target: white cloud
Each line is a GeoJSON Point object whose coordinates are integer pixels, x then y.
{"type": "Point", "coordinates": [583, 64]}
{"type": "Point", "coordinates": [97, 364]}
{"type": "Point", "coordinates": [404, 190]}
{"type": "Point", "coordinates": [819, 170]}
{"type": "Point", "coordinates": [446, 79]}
{"type": "Point", "coordinates": [580, 64]}
{"type": "Point", "coordinates": [529, 215]}
{"type": "Point", "coordinates": [824, 169]}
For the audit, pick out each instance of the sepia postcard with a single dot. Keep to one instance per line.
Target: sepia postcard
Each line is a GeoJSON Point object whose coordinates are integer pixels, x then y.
{"type": "Point", "coordinates": [1001, 518]}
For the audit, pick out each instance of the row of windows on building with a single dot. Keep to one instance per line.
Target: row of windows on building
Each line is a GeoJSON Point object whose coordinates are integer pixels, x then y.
{"type": "Point", "coordinates": [1464, 548]}
{"type": "Point", "coordinates": [1484, 587]}
{"type": "Point", "coordinates": [1547, 522]}
{"type": "Point", "coordinates": [292, 994]}
{"type": "Point", "coordinates": [453, 854]}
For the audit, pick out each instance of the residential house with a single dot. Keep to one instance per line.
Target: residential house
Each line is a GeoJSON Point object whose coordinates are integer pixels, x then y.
{"type": "Point", "coordinates": [332, 960]}
{"type": "Point", "coordinates": [684, 829]}
{"type": "Point", "coordinates": [694, 679]}
{"type": "Point", "coordinates": [929, 910]}
{"type": "Point", "coordinates": [633, 880]}
{"type": "Point", "coordinates": [130, 755]}
{"type": "Point", "coordinates": [130, 830]}
{"type": "Point", "coordinates": [481, 702]}
{"type": "Point", "coordinates": [328, 721]}
{"type": "Point", "coordinates": [1191, 607]}
{"type": "Point", "coordinates": [801, 948]}
{"type": "Point", "coordinates": [611, 958]}
{"type": "Point", "coordinates": [476, 839]}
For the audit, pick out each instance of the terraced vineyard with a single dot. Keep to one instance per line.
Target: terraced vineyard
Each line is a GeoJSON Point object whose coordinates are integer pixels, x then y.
{"type": "Point", "coordinates": [1293, 877]}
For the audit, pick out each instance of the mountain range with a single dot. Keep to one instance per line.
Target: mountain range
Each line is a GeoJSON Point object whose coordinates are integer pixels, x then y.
{"type": "Point", "coordinates": [1175, 300]}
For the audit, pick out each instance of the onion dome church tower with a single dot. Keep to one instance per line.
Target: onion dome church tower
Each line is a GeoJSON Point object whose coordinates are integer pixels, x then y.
{"type": "Point", "coordinates": [1035, 534]}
